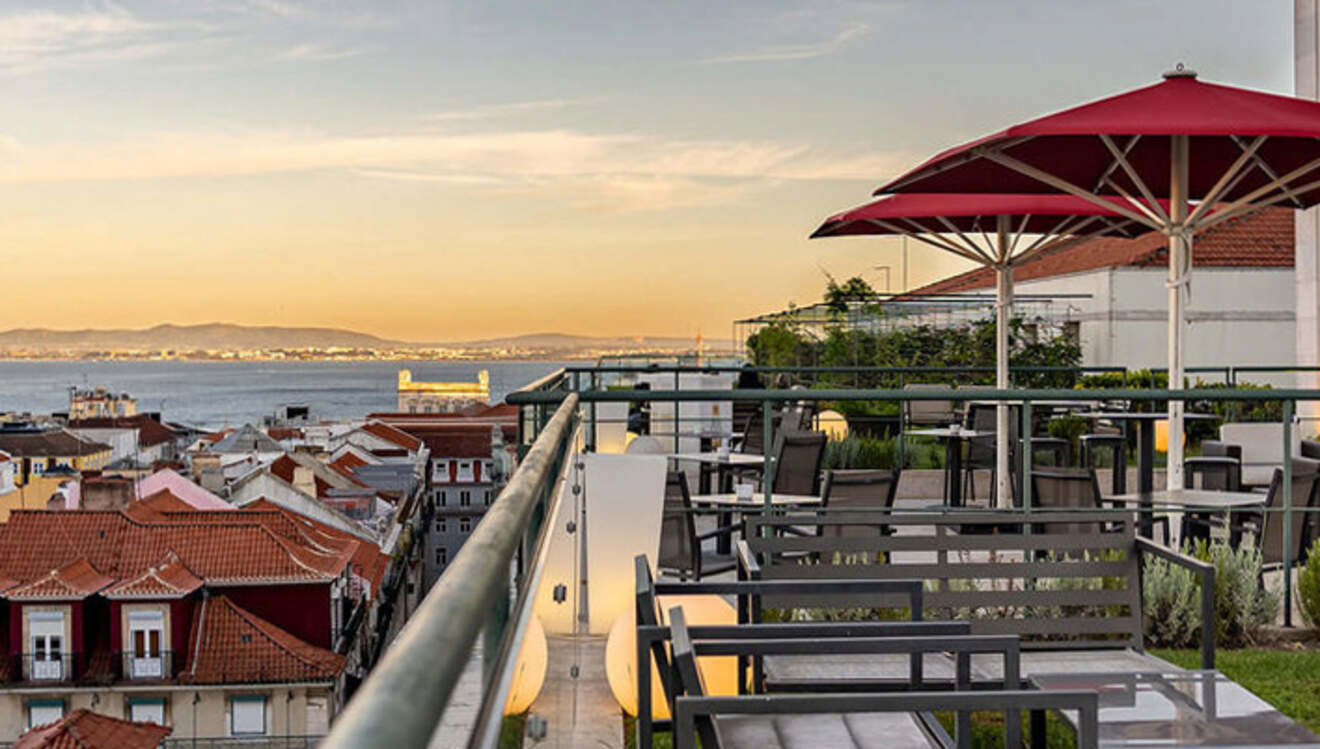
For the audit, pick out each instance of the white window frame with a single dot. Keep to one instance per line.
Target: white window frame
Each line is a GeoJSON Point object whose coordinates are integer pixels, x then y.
{"type": "Point", "coordinates": [465, 524]}
{"type": "Point", "coordinates": [146, 665]}
{"type": "Point", "coordinates": [54, 708]}
{"type": "Point", "coordinates": [258, 700]}
{"type": "Point", "coordinates": [153, 705]}
{"type": "Point", "coordinates": [42, 626]}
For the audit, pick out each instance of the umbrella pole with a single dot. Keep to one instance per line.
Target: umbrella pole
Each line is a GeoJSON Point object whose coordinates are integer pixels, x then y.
{"type": "Point", "coordinates": [1180, 262]}
{"type": "Point", "coordinates": [1003, 305]}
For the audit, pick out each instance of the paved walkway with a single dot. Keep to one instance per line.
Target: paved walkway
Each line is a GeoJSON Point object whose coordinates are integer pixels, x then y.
{"type": "Point", "coordinates": [579, 712]}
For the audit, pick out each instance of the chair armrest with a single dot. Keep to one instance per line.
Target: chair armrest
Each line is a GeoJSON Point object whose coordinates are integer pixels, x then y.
{"type": "Point", "coordinates": [747, 560]}
{"type": "Point", "coordinates": [1209, 622]}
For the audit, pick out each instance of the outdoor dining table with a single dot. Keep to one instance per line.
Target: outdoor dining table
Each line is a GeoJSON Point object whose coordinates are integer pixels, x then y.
{"type": "Point", "coordinates": [953, 438]}
{"type": "Point", "coordinates": [1145, 439]}
{"type": "Point", "coordinates": [1203, 500]}
{"type": "Point", "coordinates": [1180, 709]}
{"type": "Point", "coordinates": [718, 462]}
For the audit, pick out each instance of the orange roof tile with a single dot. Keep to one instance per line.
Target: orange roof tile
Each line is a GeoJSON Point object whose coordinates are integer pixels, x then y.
{"type": "Point", "coordinates": [1257, 240]}
{"type": "Point", "coordinates": [392, 435]}
{"type": "Point", "coordinates": [234, 645]}
{"type": "Point", "coordinates": [155, 506]}
{"type": "Point", "coordinates": [77, 579]}
{"type": "Point", "coordinates": [84, 729]}
{"type": "Point", "coordinates": [170, 579]}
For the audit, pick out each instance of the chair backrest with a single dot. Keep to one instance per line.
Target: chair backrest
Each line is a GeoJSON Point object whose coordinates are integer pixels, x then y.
{"type": "Point", "coordinates": [1061, 591]}
{"type": "Point", "coordinates": [754, 432]}
{"type": "Point", "coordinates": [648, 615]}
{"type": "Point", "coordinates": [1262, 448]}
{"type": "Point", "coordinates": [1065, 489]}
{"type": "Point", "coordinates": [1304, 481]}
{"type": "Point", "coordinates": [678, 532]}
{"type": "Point", "coordinates": [855, 490]}
{"type": "Point", "coordinates": [797, 461]}
{"type": "Point", "coordinates": [984, 417]}
{"type": "Point", "coordinates": [929, 412]}
{"type": "Point", "coordinates": [690, 683]}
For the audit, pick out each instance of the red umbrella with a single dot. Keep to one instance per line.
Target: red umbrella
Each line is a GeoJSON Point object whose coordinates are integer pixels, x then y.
{"type": "Point", "coordinates": [989, 229]}
{"type": "Point", "coordinates": [1202, 146]}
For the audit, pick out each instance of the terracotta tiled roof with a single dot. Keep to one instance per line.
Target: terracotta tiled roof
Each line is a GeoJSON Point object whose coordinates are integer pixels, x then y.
{"type": "Point", "coordinates": [1258, 240]}
{"type": "Point", "coordinates": [84, 729]}
{"type": "Point", "coordinates": [75, 580]}
{"type": "Point", "coordinates": [369, 562]}
{"type": "Point", "coordinates": [150, 431]}
{"type": "Point", "coordinates": [155, 506]}
{"type": "Point", "coordinates": [456, 441]}
{"type": "Point", "coordinates": [236, 646]}
{"type": "Point", "coordinates": [284, 433]}
{"type": "Point", "coordinates": [169, 579]}
{"type": "Point", "coordinates": [227, 552]}
{"type": "Point", "coordinates": [54, 443]}
{"type": "Point", "coordinates": [392, 435]}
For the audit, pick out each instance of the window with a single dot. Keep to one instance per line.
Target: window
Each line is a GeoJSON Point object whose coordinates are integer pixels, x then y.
{"type": "Point", "coordinates": [1072, 332]}
{"type": "Point", "coordinates": [41, 712]}
{"type": "Point", "coordinates": [465, 470]}
{"type": "Point", "coordinates": [146, 658]}
{"type": "Point", "coordinates": [465, 525]}
{"type": "Point", "coordinates": [442, 556]}
{"type": "Point", "coordinates": [247, 715]}
{"type": "Point", "coordinates": [485, 497]}
{"type": "Point", "coordinates": [440, 498]}
{"type": "Point", "coordinates": [146, 710]}
{"type": "Point", "coordinates": [465, 498]}
{"type": "Point", "coordinates": [441, 526]}
{"type": "Point", "coordinates": [46, 641]}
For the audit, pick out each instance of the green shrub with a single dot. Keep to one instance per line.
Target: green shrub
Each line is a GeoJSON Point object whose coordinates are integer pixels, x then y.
{"type": "Point", "coordinates": [1170, 604]}
{"type": "Point", "coordinates": [869, 452]}
{"type": "Point", "coordinates": [1242, 604]}
{"type": "Point", "coordinates": [1171, 598]}
{"type": "Point", "coordinates": [1308, 586]}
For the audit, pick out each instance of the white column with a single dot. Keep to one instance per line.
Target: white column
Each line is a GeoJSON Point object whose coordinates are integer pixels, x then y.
{"type": "Point", "coordinates": [1180, 264]}
{"type": "Point", "coordinates": [1003, 310]}
{"type": "Point", "coordinates": [1306, 266]}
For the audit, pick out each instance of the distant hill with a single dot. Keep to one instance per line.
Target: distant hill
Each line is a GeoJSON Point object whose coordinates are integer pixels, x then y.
{"type": "Point", "coordinates": [229, 337]}
{"type": "Point", "coordinates": [221, 336]}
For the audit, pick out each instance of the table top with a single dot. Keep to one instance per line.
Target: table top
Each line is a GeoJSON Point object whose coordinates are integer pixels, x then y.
{"type": "Point", "coordinates": [1134, 416]}
{"type": "Point", "coordinates": [757, 501]}
{"type": "Point", "coordinates": [1034, 404]}
{"type": "Point", "coordinates": [947, 433]}
{"type": "Point", "coordinates": [1190, 708]}
{"type": "Point", "coordinates": [731, 459]}
{"type": "Point", "coordinates": [1193, 498]}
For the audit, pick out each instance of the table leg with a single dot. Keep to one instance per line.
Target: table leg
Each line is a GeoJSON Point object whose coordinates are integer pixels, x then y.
{"type": "Point", "coordinates": [953, 471]}
{"type": "Point", "coordinates": [1145, 474]}
{"type": "Point", "coordinates": [724, 541]}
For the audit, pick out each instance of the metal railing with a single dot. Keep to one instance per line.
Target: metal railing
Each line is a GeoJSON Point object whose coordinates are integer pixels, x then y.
{"type": "Point", "coordinates": [153, 667]}
{"type": "Point", "coordinates": [402, 701]}
{"type": "Point", "coordinates": [244, 742]}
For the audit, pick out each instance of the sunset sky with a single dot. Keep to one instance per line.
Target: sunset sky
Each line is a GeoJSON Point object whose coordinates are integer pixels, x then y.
{"type": "Point", "coordinates": [457, 169]}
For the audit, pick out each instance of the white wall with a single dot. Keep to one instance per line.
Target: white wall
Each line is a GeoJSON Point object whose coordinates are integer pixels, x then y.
{"type": "Point", "coordinates": [1237, 315]}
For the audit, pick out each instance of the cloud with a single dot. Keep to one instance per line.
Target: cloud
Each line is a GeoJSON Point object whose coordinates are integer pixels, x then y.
{"type": "Point", "coordinates": [849, 34]}
{"type": "Point", "coordinates": [622, 171]}
{"type": "Point", "coordinates": [317, 52]}
{"type": "Point", "coordinates": [37, 39]}
{"type": "Point", "coordinates": [510, 109]}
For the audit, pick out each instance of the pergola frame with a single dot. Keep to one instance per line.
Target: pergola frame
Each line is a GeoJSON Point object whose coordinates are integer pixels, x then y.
{"type": "Point", "coordinates": [1180, 223]}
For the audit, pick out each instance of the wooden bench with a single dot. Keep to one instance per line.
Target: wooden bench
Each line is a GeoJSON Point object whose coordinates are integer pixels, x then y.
{"type": "Point", "coordinates": [1074, 596]}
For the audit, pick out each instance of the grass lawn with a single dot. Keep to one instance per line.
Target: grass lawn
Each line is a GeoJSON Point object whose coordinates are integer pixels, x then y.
{"type": "Point", "coordinates": [1289, 680]}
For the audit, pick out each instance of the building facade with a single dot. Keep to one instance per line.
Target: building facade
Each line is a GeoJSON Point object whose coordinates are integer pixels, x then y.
{"type": "Point", "coordinates": [442, 397]}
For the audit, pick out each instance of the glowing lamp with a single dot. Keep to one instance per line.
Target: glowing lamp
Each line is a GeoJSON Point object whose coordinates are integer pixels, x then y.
{"type": "Point", "coordinates": [719, 672]}
{"type": "Point", "coordinates": [1162, 436]}
{"type": "Point", "coordinates": [833, 424]}
{"type": "Point", "coordinates": [528, 670]}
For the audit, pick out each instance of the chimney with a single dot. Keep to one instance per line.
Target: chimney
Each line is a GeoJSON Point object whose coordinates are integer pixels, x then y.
{"type": "Point", "coordinates": [303, 480]}
{"type": "Point", "coordinates": [106, 493]}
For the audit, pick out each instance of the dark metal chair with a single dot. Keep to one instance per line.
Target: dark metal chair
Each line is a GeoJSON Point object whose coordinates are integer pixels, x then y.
{"type": "Point", "coordinates": [680, 544]}
{"type": "Point", "coordinates": [1095, 444]}
{"type": "Point", "coordinates": [858, 489]}
{"type": "Point", "coordinates": [1066, 489]}
{"type": "Point", "coordinates": [1304, 483]}
{"type": "Point", "coordinates": [798, 456]}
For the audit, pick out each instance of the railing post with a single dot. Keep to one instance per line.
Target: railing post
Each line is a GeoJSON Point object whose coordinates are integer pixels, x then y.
{"type": "Point", "coordinates": [591, 412]}
{"type": "Point", "coordinates": [768, 432]}
{"type": "Point", "coordinates": [1027, 455]}
{"type": "Point", "coordinates": [1287, 513]}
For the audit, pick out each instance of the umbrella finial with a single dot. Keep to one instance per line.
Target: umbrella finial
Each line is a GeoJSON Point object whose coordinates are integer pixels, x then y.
{"type": "Point", "coordinates": [1179, 71]}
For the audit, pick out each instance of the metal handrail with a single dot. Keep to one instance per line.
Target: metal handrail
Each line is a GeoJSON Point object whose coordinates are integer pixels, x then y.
{"type": "Point", "coordinates": [932, 394]}
{"type": "Point", "coordinates": [401, 702]}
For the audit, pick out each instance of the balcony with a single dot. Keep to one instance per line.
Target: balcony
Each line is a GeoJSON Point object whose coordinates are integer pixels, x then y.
{"type": "Point", "coordinates": [151, 667]}
{"type": "Point", "coordinates": [504, 578]}
{"type": "Point", "coordinates": [45, 666]}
